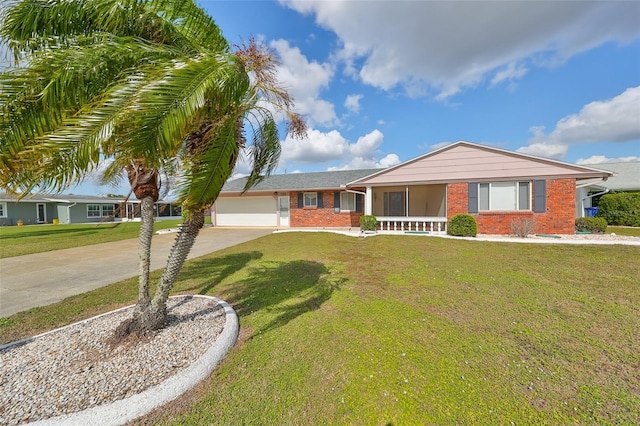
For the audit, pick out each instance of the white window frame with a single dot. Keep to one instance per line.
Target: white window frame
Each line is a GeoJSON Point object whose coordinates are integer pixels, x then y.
{"type": "Point", "coordinates": [3, 210]}
{"type": "Point", "coordinates": [491, 189]}
{"type": "Point", "coordinates": [313, 196]}
{"type": "Point", "coordinates": [347, 201]}
{"type": "Point", "coordinates": [112, 210]}
{"type": "Point", "coordinates": [98, 211]}
{"type": "Point", "coordinates": [101, 211]}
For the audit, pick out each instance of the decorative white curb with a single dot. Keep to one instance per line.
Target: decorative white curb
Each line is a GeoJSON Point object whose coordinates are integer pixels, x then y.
{"type": "Point", "coordinates": [125, 410]}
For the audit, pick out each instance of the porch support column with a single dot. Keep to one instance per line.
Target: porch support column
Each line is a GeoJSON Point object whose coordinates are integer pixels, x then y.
{"type": "Point", "coordinates": [368, 201]}
{"type": "Point", "coordinates": [406, 211]}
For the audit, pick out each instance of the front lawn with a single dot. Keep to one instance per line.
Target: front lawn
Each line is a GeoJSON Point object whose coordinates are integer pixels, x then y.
{"type": "Point", "coordinates": [20, 240]}
{"type": "Point", "coordinates": [624, 230]}
{"type": "Point", "coordinates": [406, 330]}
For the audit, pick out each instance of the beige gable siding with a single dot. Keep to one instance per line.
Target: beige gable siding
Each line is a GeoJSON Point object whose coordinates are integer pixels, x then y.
{"type": "Point", "coordinates": [468, 162]}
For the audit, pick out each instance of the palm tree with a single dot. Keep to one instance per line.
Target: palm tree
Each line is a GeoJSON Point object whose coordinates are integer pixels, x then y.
{"type": "Point", "coordinates": [150, 86]}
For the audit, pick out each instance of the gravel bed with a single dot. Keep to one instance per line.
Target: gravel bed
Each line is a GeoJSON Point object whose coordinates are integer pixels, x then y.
{"type": "Point", "coordinates": [74, 368]}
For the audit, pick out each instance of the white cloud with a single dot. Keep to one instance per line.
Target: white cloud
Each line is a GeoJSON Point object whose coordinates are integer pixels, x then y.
{"type": "Point", "coordinates": [389, 160]}
{"type": "Point", "coordinates": [317, 147]}
{"type": "Point", "coordinates": [357, 163]}
{"type": "Point", "coordinates": [352, 103]}
{"type": "Point", "coordinates": [548, 150]}
{"type": "Point", "coordinates": [510, 73]}
{"type": "Point", "coordinates": [367, 144]}
{"type": "Point", "coordinates": [444, 47]}
{"type": "Point", "coordinates": [305, 80]}
{"type": "Point", "coordinates": [613, 120]}
{"type": "Point", "coordinates": [320, 147]}
{"type": "Point", "coordinates": [439, 145]}
{"type": "Point", "coordinates": [601, 159]}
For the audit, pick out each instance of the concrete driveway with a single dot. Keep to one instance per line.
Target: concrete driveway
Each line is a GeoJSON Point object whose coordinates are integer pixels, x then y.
{"type": "Point", "coordinates": [44, 278]}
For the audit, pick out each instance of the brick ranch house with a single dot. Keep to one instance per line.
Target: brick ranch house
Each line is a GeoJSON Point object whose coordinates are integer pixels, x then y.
{"type": "Point", "coordinates": [496, 186]}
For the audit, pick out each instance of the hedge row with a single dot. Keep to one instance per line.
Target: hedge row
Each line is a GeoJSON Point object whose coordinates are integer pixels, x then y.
{"type": "Point", "coordinates": [621, 209]}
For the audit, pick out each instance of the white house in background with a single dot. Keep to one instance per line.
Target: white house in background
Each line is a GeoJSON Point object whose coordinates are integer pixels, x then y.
{"type": "Point", "coordinates": [626, 178]}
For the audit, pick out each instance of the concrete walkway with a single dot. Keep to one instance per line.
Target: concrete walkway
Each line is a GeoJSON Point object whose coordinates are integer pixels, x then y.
{"type": "Point", "coordinates": [44, 278]}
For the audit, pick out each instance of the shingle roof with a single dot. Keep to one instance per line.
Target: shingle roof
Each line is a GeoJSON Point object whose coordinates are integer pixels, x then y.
{"type": "Point", "coordinates": [627, 176]}
{"type": "Point", "coordinates": [61, 198]}
{"type": "Point", "coordinates": [298, 181]}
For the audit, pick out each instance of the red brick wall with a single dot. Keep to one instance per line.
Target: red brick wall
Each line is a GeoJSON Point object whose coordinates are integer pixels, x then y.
{"type": "Point", "coordinates": [324, 217]}
{"type": "Point", "coordinates": [558, 219]}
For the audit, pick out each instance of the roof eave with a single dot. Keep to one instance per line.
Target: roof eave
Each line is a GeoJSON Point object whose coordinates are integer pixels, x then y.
{"type": "Point", "coordinates": [511, 178]}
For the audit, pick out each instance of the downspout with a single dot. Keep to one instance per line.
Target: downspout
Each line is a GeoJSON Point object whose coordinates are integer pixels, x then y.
{"type": "Point", "coordinates": [69, 212]}
{"type": "Point", "coordinates": [364, 202]}
{"type": "Point", "coordinates": [604, 179]}
{"type": "Point", "coordinates": [591, 196]}
{"type": "Point", "coordinates": [356, 192]}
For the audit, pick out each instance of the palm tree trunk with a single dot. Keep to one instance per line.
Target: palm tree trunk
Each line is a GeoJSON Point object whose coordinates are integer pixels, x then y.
{"type": "Point", "coordinates": [185, 239]}
{"type": "Point", "coordinates": [144, 253]}
{"type": "Point", "coordinates": [154, 316]}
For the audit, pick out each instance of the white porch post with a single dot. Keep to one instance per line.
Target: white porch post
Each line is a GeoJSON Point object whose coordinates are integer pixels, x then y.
{"type": "Point", "coordinates": [406, 212]}
{"type": "Point", "coordinates": [368, 201]}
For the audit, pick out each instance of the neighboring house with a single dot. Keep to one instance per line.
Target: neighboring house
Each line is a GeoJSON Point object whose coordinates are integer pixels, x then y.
{"type": "Point", "coordinates": [64, 208]}
{"type": "Point", "coordinates": [45, 208]}
{"type": "Point", "coordinates": [496, 186]}
{"type": "Point", "coordinates": [625, 179]}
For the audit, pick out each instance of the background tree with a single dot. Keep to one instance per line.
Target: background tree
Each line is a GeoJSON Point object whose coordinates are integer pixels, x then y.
{"type": "Point", "coordinates": [152, 88]}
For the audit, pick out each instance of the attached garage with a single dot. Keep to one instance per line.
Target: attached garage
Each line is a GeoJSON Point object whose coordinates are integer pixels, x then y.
{"type": "Point", "coordinates": [246, 211]}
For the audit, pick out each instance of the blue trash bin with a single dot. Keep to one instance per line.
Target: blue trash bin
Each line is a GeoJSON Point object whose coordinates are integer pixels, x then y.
{"type": "Point", "coordinates": [590, 211]}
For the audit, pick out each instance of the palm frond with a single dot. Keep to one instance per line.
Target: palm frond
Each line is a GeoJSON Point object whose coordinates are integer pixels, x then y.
{"type": "Point", "coordinates": [264, 149]}
{"type": "Point", "coordinates": [165, 109]}
{"type": "Point", "coordinates": [206, 172]}
{"type": "Point", "coordinates": [33, 25]}
{"type": "Point", "coordinates": [192, 22]}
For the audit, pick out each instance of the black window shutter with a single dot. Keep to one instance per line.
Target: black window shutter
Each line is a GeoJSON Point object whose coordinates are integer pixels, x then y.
{"type": "Point", "coordinates": [320, 204]}
{"type": "Point", "coordinates": [473, 197]}
{"type": "Point", "coordinates": [539, 196]}
{"type": "Point", "coordinates": [336, 201]}
{"type": "Point", "coordinates": [359, 203]}
{"type": "Point", "coordinates": [300, 201]}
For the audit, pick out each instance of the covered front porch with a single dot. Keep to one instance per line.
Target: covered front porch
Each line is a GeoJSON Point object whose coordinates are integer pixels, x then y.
{"type": "Point", "coordinates": [408, 208]}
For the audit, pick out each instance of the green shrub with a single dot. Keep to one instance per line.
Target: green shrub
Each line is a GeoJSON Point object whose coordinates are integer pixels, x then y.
{"type": "Point", "coordinates": [463, 225]}
{"type": "Point", "coordinates": [368, 223]}
{"type": "Point", "coordinates": [591, 224]}
{"type": "Point", "coordinates": [621, 209]}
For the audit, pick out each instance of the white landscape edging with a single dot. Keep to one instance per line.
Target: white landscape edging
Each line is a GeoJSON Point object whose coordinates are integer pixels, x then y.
{"type": "Point", "coordinates": [125, 410]}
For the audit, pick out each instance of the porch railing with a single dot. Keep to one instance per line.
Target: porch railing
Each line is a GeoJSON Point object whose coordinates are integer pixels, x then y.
{"type": "Point", "coordinates": [434, 225]}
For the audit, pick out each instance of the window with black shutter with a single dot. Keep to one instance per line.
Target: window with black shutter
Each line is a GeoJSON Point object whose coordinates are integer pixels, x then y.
{"type": "Point", "coordinates": [473, 197]}
{"type": "Point", "coordinates": [539, 196]}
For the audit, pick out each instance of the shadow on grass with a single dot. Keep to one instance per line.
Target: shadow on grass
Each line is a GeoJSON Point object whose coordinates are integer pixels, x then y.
{"type": "Point", "coordinates": [284, 290]}
{"type": "Point", "coordinates": [211, 272]}
{"type": "Point", "coordinates": [280, 290]}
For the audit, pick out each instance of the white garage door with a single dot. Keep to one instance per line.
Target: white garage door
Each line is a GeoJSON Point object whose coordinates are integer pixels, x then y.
{"type": "Point", "coordinates": [246, 211]}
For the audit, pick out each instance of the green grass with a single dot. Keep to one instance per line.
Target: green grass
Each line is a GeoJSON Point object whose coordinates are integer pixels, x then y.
{"type": "Point", "coordinates": [406, 330]}
{"type": "Point", "coordinates": [20, 240]}
{"type": "Point", "coordinates": [624, 230]}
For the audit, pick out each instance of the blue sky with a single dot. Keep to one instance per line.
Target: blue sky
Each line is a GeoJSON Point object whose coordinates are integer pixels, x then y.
{"type": "Point", "coordinates": [381, 82]}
